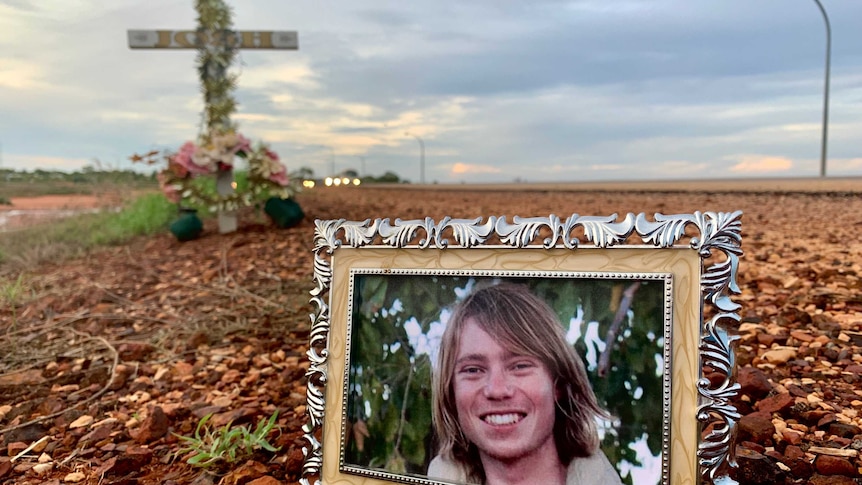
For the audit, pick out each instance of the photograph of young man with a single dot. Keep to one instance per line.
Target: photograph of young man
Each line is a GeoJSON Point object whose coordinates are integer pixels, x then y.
{"type": "Point", "coordinates": [512, 401]}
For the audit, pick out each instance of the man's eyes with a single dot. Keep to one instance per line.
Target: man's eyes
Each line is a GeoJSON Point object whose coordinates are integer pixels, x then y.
{"type": "Point", "coordinates": [523, 365]}
{"type": "Point", "coordinates": [519, 366]}
{"type": "Point", "coordinates": [471, 369]}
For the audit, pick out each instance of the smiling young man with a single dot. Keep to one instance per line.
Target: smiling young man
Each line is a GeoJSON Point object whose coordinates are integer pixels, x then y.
{"type": "Point", "coordinates": [512, 402]}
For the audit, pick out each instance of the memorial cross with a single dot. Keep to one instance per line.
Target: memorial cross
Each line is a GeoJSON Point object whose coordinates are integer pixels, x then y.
{"type": "Point", "coordinates": [218, 105]}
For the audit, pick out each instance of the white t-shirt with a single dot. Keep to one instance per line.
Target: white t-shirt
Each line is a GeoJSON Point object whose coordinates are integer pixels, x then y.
{"type": "Point", "coordinates": [591, 470]}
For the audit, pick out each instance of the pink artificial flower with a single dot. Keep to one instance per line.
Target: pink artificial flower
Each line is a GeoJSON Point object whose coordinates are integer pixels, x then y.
{"type": "Point", "coordinates": [185, 159]}
{"type": "Point", "coordinates": [169, 189]}
{"type": "Point", "coordinates": [272, 155]}
{"type": "Point", "coordinates": [243, 145]}
{"type": "Point", "coordinates": [280, 178]}
{"type": "Point", "coordinates": [176, 168]}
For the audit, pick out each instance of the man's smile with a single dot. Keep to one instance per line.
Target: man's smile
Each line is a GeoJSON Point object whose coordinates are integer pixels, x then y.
{"type": "Point", "coordinates": [503, 419]}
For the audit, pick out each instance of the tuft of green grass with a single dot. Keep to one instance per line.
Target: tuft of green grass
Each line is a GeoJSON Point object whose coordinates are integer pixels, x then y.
{"type": "Point", "coordinates": [74, 236]}
{"type": "Point", "coordinates": [227, 444]}
{"type": "Point", "coordinates": [11, 291]}
{"type": "Point", "coordinates": [12, 294]}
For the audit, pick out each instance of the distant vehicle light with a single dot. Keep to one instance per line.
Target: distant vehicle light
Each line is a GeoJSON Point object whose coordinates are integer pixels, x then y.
{"type": "Point", "coordinates": [308, 184]}
{"type": "Point", "coordinates": [356, 181]}
{"type": "Point", "coordinates": [345, 181]}
{"type": "Point", "coordinates": [336, 181]}
{"type": "Point", "coordinates": [328, 181]}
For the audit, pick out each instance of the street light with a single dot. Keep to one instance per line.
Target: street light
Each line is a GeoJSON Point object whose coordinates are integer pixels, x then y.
{"type": "Point", "coordinates": [825, 91]}
{"type": "Point", "coordinates": [421, 156]}
{"type": "Point", "coordinates": [362, 159]}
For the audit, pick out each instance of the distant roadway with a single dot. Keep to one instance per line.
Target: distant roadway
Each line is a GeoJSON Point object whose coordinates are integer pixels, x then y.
{"type": "Point", "coordinates": [766, 185]}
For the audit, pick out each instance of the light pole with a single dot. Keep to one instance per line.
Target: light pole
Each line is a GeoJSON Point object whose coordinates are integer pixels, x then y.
{"type": "Point", "coordinates": [362, 159]}
{"type": "Point", "coordinates": [421, 156]}
{"type": "Point", "coordinates": [825, 136]}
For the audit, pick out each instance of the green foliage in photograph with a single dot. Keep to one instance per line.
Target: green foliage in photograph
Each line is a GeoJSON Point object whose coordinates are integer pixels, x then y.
{"type": "Point", "coordinates": [389, 376]}
{"type": "Point", "coordinates": [397, 323]}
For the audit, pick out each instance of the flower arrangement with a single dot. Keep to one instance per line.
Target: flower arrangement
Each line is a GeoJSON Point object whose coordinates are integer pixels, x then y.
{"type": "Point", "coordinates": [267, 176]}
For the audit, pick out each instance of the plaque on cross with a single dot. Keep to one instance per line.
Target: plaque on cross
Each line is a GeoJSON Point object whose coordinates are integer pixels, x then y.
{"type": "Point", "coordinates": [203, 40]}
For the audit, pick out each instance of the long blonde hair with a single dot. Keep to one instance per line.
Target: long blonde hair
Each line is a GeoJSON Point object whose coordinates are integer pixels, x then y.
{"type": "Point", "coordinates": [524, 324]}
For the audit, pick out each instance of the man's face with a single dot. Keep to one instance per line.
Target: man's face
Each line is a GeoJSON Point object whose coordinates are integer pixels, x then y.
{"type": "Point", "coordinates": [505, 401]}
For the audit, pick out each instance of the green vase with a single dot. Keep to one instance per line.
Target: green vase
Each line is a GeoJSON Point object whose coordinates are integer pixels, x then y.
{"type": "Point", "coordinates": [188, 226]}
{"type": "Point", "coordinates": [283, 212]}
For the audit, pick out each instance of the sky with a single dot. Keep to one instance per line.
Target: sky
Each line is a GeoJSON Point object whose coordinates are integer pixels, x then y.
{"type": "Point", "coordinates": [496, 90]}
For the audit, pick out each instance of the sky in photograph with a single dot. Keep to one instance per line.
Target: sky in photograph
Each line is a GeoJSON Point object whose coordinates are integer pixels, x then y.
{"type": "Point", "coordinates": [498, 90]}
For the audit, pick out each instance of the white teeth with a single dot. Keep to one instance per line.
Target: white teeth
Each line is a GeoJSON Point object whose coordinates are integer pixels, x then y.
{"type": "Point", "coordinates": [500, 419]}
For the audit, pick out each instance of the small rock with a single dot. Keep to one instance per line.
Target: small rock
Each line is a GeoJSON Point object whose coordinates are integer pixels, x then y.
{"type": "Point", "coordinates": [826, 419]}
{"type": "Point", "coordinates": [776, 403]}
{"type": "Point", "coordinates": [184, 369]}
{"type": "Point", "coordinates": [15, 447]}
{"type": "Point", "coordinates": [154, 426]}
{"type": "Point", "coordinates": [222, 401]}
{"type": "Point", "coordinates": [74, 477]}
{"type": "Point", "coordinates": [205, 478]}
{"type": "Point", "coordinates": [134, 351]}
{"type": "Point", "coordinates": [779, 356]}
{"type": "Point", "coordinates": [98, 434]}
{"type": "Point", "coordinates": [801, 335]}
{"type": "Point", "coordinates": [756, 469]}
{"type": "Point", "coordinates": [831, 480]}
{"type": "Point", "coordinates": [237, 416]}
{"type": "Point", "coordinates": [792, 436]}
{"type": "Point", "coordinates": [796, 391]}
{"type": "Point", "coordinates": [40, 445]}
{"type": "Point", "coordinates": [753, 382]}
{"type": "Point", "coordinates": [133, 459]}
{"type": "Point", "coordinates": [798, 463]}
{"type": "Point", "coordinates": [267, 480]}
{"type": "Point", "coordinates": [43, 468]}
{"type": "Point", "coordinates": [26, 434]}
{"type": "Point", "coordinates": [201, 412]}
{"type": "Point", "coordinates": [81, 422]}
{"type": "Point", "coordinates": [231, 376]}
{"type": "Point", "coordinates": [757, 426]}
{"type": "Point", "coordinates": [833, 465]}
{"type": "Point", "coordinates": [753, 446]}
{"type": "Point", "coordinates": [247, 472]}
{"type": "Point", "coordinates": [844, 430]}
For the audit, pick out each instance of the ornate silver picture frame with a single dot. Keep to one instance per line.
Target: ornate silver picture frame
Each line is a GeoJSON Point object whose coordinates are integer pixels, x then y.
{"type": "Point", "coordinates": [646, 304]}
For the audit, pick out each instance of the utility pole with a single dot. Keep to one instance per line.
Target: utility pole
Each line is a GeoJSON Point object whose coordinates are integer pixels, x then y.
{"type": "Point", "coordinates": [825, 136]}
{"type": "Point", "coordinates": [421, 156]}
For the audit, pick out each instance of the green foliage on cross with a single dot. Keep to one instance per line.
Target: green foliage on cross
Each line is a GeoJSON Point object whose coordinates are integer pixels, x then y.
{"type": "Point", "coordinates": [214, 58]}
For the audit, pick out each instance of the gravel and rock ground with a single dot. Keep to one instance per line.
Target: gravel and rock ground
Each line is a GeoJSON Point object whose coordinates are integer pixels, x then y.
{"type": "Point", "coordinates": [104, 361]}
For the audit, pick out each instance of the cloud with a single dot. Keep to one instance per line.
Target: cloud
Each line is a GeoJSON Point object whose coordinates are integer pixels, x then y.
{"type": "Point", "coordinates": [20, 75]}
{"type": "Point", "coordinates": [762, 163]}
{"type": "Point", "coordinates": [551, 89]}
{"type": "Point", "coordinates": [844, 164]}
{"type": "Point", "coordinates": [462, 168]}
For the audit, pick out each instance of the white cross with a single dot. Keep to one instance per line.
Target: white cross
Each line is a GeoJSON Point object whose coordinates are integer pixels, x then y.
{"type": "Point", "coordinates": [193, 39]}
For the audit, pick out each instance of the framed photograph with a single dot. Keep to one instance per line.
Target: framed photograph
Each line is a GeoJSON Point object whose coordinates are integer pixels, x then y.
{"type": "Point", "coordinates": [585, 350]}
